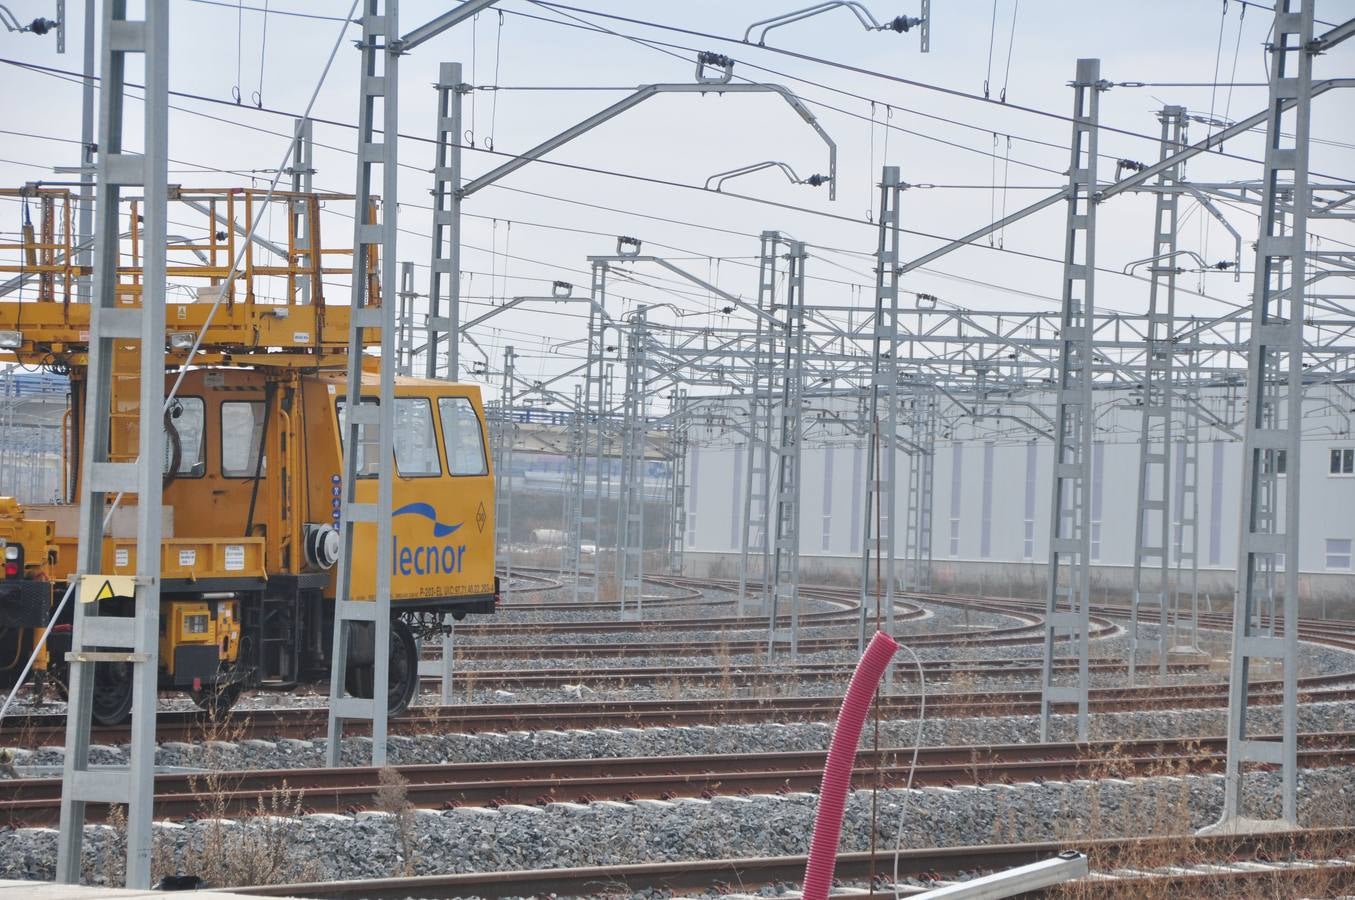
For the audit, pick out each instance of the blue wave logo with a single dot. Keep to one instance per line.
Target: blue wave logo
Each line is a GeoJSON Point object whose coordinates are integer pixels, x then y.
{"type": "Point", "coordinates": [426, 510]}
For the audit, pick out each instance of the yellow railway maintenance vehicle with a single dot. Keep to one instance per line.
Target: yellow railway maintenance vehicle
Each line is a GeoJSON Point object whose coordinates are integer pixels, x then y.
{"type": "Point", "coordinates": [252, 473]}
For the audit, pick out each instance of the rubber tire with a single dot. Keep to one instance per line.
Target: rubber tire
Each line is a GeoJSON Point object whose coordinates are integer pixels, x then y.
{"type": "Point", "coordinates": [112, 693]}
{"type": "Point", "coordinates": [217, 700]}
{"type": "Point", "coordinates": [404, 672]}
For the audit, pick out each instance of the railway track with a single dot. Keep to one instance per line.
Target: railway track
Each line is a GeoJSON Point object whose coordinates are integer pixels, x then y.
{"type": "Point", "coordinates": [37, 730]}
{"type": "Point", "coordinates": [36, 802]}
{"type": "Point", "coordinates": [937, 670]}
{"type": "Point", "coordinates": [1186, 861]}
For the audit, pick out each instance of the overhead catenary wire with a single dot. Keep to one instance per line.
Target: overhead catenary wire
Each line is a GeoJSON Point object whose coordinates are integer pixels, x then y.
{"type": "Point", "coordinates": [629, 176]}
{"type": "Point", "coordinates": [859, 70]}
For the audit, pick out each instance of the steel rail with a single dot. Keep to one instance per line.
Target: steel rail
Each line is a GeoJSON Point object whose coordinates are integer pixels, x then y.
{"type": "Point", "coordinates": [38, 730]}
{"type": "Point", "coordinates": [35, 802]}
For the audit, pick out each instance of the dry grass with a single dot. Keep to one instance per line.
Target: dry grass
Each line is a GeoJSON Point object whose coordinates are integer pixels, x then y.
{"type": "Point", "coordinates": [1162, 808]}
{"type": "Point", "coordinates": [249, 849]}
{"type": "Point", "coordinates": [392, 797]}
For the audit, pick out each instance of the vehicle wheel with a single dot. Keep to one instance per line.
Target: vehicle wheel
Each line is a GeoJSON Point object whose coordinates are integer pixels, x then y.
{"type": "Point", "coordinates": [112, 693]}
{"type": "Point", "coordinates": [403, 676]}
{"type": "Point", "coordinates": [217, 700]}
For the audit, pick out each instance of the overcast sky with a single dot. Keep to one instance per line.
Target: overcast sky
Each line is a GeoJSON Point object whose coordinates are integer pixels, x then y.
{"type": "Point", "coordinates": [540, 223]}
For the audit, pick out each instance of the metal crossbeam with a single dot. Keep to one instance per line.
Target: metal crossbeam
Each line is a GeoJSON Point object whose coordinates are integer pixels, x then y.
{"type": "Point", "coordinates": [115, 364]}
{"type": "Point", "coordinates": [1153, 520]}
{"type": "Point", "coordinates": [1269, 530]}
{"type": "Point", "coordinates": [357, 608]}
{"type": "Point", "coordinates": [1066, 594]}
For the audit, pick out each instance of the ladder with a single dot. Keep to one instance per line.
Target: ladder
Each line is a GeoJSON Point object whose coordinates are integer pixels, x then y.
{"type": "Point", "coordinates": [1067, 598]}
{"type": "Point", "coordinates": [1186, 591]}
{"type": "Point", "coordinates": [755, 549]}
{"type": "Point", "coordinates": [1270, 516]}
{"type": "Point", "coordinates": [878, 582]}
{"type": "Point", "coordinates": [630, 515]}
{"type": "Point", "coordinates": [1153, 522]}
{"type": "Point", "coordinates": [125, 341]}
{"type": "Point", "coordinates": [365, 421]}
{"type": "Point", "coordinates": [677, 534]}
{"type": "Point", "coordinates": [785, 587]}
{"type": "Point", "coordinates": [921, 469]}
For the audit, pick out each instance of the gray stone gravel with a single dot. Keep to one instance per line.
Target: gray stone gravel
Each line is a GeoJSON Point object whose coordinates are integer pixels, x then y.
{"type": "Point", "coordinates": [700, 739]}
{"type": "Point", "coordinates": [514, 837]}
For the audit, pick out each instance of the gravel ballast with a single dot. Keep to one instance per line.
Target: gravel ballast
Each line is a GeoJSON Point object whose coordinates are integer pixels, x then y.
{"type": "Point", "coordinates": [370, 845]}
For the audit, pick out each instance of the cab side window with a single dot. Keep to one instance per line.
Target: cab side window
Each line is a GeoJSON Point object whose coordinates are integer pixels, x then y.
{"type": "Point", "coordinates": [191, 429]}
{"type": "Point", "coordinates": [241, 433]}
{"type": "Point", "coordinates": [368, 449]}
{"type": "Point", "coordinates": [416, 443]}
{"type": "Point", "coordinates": [462, 437]}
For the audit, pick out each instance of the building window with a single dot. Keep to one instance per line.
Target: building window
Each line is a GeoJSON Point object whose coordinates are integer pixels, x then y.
{"type": "Point", "coordinates": [1274, 461]}
{"type": "Point", "coordinates": [1342, 461]}
{"type": "Point", "coordinates": [1338, 554]}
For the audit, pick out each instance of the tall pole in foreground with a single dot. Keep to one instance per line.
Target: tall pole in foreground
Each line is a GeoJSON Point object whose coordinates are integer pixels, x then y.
{"type": "Point", "coordinates": [1269, 532]}
{"type": "Point", "coordinates": [373, 306]}
{"type": "Point", "coordinates": [1066, 593]}
{"type": "Point", "coordinates": [118, 631]}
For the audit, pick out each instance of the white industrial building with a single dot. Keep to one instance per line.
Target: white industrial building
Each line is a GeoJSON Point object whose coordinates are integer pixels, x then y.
{"type": "Point", "coordinates": [991, 494]}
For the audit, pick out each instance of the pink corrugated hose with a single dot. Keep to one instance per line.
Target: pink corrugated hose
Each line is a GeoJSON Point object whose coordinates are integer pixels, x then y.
{"type": "Point", "coordinates": [837, 771]}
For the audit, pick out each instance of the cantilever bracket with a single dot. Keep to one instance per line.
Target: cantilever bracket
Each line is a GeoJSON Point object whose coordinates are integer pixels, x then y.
{"type": "Point", "coordinates": [899, 24]}
{"type": "Point", "coordinates": [643, 93]}
{"type": "Point", "coordinates": [721, 177]}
